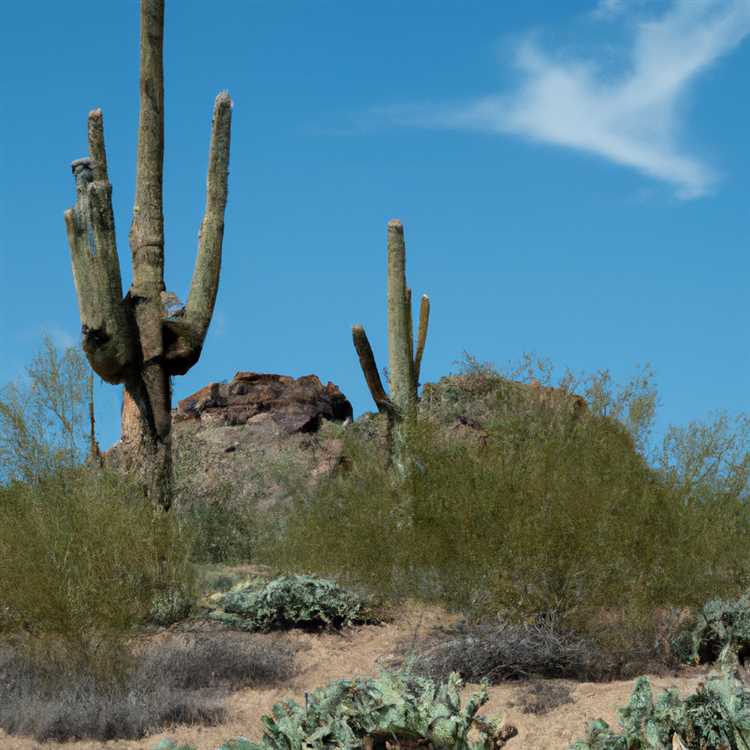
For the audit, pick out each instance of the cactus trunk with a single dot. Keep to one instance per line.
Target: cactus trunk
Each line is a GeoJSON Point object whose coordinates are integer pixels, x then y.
{"type": "Point", "coordinates": [404, 367]}
{"type": "Point", "coordinates": [400, 365]}
{"type": "Point", "coordinates": [134, 340]}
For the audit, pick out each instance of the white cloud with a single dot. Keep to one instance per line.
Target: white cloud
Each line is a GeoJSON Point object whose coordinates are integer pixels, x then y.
{"type": "Point", "coordinates": [607, 9]}
{"type": "Point", "coordinates": [632, 119]}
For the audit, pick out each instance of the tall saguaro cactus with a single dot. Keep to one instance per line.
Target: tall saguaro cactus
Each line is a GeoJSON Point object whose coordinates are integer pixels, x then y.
{"type": "Point", "coordinates": [404, 366]}
{"type": "Point", "coordinates": [135, 340]}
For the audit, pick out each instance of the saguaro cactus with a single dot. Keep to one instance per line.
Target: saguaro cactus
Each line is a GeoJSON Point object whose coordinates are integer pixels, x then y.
{"type": "Point", "coordinates": [136, 341]}
{"type": "Point", "coordinates": [404, 366]}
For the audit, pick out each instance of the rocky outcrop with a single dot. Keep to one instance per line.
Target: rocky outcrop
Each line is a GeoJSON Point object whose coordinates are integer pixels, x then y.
{"type": "Point", "coordinates": [239, 441]}
{"type": "Point", "coordinates": [295, 405]}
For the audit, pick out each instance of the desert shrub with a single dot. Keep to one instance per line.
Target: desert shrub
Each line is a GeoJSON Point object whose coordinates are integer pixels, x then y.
{"type": "Point", "coordinates": [222, 533]}
{"type": "Point", "coordinates": [171, 682]}
{"type": "Point", "coordinates": [43, 416]}
{"type": "Point", "coordinates": [290, 601]}
{"type": "Point", "coordinates": [719, 625]}
{"type": "Point", "coordinates": [499, 651]}
{"type": "Point", "coordinates": [550, 515]}
{"type": "Point", "coordinates": [368, 712]}
{"type": "Point", "coordinates": [84, 558]}
{"type": "Point", "coordinates": [542, 697]}
{"type": "Point", "coordinates": [717, 715]}
{"type": "Point", "coordinates": [171, 606]}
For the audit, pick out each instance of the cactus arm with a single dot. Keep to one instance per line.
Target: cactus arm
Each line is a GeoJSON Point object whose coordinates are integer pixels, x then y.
{"type": "Point", "coordinates": [424, 317]}
{"type": "Point", "coordinates": [205, 282]}
{"type": "Point", "coordinates": [97, 152]}
{"type": "Point", "coordinates": [409, 328]}
{"type": "Point", "coordinates": [107, 337]}
{"type": "Point", "coordinates": [370, 370]}
{"type": "Point", "coordinates": [399, 348]}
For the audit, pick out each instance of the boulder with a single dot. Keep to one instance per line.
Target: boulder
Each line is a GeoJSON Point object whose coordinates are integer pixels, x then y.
{"type": "Point", "coordinates": [295, 405]}
{"type": "Point", "coordinates": [236, 442]}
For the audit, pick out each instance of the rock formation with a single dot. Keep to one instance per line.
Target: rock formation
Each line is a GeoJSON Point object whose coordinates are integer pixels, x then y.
{"type": "Point", "coordinates": [295, 405]}
{"type": "Point", "coordinates": [241, 441]}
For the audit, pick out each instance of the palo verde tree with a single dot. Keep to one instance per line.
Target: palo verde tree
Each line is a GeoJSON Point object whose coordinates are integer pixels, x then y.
{"type": "Point", "coordinates": [137, 340]}
{"type": "Point", "coordinates": [404, 366]}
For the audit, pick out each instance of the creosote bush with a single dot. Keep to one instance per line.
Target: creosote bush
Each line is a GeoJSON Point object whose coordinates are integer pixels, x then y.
{"type": "Point", "coordinates": [84, 559]}
{"type": "Point", "coordinates": [551, 515]}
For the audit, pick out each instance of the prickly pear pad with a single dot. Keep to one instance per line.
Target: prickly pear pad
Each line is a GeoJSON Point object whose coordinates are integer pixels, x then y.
{"type": "Point", "coordinates": [364, 713]}
{"type": "Point", "coordinates": [288, 601]}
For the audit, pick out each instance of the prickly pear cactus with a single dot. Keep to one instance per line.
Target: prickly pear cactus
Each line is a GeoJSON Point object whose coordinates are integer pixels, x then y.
{"type": "Point", "coordinates": [715, 717]}
{"type": "Point", "coordinates": [288, 601]}
{"type": "Point", "coordinates": [720, 626]}
{"type": "Point", "coordinates": [367, 713]}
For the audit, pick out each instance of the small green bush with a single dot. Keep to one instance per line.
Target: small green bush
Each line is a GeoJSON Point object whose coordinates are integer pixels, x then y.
{"type": "Point", "coordinates": [290, 601]}
{"type": "Point", "coordinates": [171, 606]}
{"type": "Point", "coordinates": [84, 559]}
{"type": "Point", "coordinates": [222, 534]}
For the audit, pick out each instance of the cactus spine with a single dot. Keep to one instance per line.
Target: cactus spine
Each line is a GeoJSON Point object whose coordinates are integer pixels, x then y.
{"type": "Point", "coordinates": [404, 367]}
{"type": "Point", "coordinates": [134, 340]}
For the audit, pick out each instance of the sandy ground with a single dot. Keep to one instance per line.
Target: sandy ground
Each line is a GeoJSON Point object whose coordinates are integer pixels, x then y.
{"type": "Point", "coordinates": [358, 652]}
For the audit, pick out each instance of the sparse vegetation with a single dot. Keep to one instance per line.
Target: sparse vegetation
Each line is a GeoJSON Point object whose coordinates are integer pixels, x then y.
{"type": "Point", "coordinates": [84, 560]}
{"type": "Point", "coordinates": [550, 531]}
{"type": "Point", "coordinates": [501, 651]}
{"type": "Point", "coordinates": [551, 516]}
{"type": "Point", "coordinates": [42, 416]}
{"type": "Point", "coordinates": [172, 682]}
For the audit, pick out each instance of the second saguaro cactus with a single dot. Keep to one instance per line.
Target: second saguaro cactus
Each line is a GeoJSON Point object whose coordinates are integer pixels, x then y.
{"type": "Point", "coordinates": [404, 365]}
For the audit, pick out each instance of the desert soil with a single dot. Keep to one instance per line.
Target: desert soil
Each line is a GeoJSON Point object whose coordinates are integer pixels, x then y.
{"type": "Point", "coordinates": [359, 651]}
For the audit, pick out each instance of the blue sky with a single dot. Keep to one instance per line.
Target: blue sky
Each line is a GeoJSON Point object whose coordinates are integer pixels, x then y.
{"type": "Point", "coordinates": [573, 180]}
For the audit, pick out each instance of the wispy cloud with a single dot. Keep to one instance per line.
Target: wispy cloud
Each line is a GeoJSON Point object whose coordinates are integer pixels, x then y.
{"type": "Point", "coordinates": [607, 9]}
{"type": "Point", "coordinates": [632, 118]}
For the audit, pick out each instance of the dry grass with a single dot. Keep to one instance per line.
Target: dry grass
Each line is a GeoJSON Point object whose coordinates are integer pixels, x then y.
{"type": "Point", "coordinates": [173, 681]}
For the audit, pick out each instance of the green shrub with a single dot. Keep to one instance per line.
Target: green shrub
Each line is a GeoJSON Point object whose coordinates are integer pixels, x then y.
{"type": "Point", "coordinates": [549, 515]}
{"type": "Point", "coordinates": [290, 601]}
{"type": "Point", "coordinates": [716, 716]}
{"type": "Point", "coordinates": [171, 606]}
{"type": "Point", "coordinates": [223, 534]}
{"type": "Point", "coordinates": [84, 559]}
{"type": "Point", "coordinates": [367, 712]}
